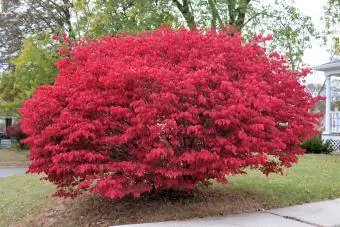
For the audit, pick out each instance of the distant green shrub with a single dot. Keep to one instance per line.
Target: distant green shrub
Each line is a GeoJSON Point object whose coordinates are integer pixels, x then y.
{"type": "Point", "coordinates": [315, 145]}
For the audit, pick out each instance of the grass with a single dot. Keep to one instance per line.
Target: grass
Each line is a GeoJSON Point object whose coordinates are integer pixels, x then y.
{"type": "Point", "coordinates": [11, 157]}
{"type": "Point", "coordinates": [22, 195]}
{"type": "Point", "coordinates": [314, 178]}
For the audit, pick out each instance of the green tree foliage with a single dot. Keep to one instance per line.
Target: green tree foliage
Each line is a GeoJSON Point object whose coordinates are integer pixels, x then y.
{"type": "Point", "coordinates": [332, 23]}
{"type": "Point", "coordinates": [291, 29]}
{"type": "Point", "coordinates": [79, 18]}
{"type": "Point", "coordinates": [22, 18]}
{"type": "Point", "coordinates": [100, 17]}
{"type": "Point", "coordinates": [27, 55]}
{"type": "Point", "coordinates": [33, 67]}
{"type": "Point", "coordinates": [10, 34]}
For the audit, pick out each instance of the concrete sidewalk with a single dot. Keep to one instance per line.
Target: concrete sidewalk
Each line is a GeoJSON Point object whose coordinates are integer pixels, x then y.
{"type": "Point", "coordinates": [325, 213]}
{"type": "Point", "coordinates": [6, 172]}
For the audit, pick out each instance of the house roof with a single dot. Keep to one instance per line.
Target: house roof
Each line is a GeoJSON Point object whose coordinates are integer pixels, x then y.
{"type": "Point", "coordinates": [329, 66]}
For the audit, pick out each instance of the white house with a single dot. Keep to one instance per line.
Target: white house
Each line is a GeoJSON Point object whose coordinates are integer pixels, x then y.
{"type": "Point", "coordinates": [332, 114]}
{"type": "Point", "coordinates": [5, 121]}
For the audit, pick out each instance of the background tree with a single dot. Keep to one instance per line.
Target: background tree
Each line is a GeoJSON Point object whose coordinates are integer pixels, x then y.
{"type": "Point", "coordinates": [10, 33]}
{"type": "Point", "coordinates": [129, 16]}
{"type": "Point", "coordinates": [22, 18]}
{"type": "Point", "coordinates": [291, 29]}
{"type": "Point", "coordinates": [28, 55]}
{"type": "Point", "coordinates": [332, 22]}
{"type": "Point", "coordinates": [33, 67]}
{"type": "Point", "coordinates": [93, 18]}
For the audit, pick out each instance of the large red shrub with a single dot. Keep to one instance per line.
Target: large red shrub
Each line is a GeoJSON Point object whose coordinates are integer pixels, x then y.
{"type": "Point", "coordinates": [165, 110]}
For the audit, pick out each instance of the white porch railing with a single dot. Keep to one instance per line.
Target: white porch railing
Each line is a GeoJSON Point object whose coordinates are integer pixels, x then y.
{"type": "Point", "coordinates": [335, 122]}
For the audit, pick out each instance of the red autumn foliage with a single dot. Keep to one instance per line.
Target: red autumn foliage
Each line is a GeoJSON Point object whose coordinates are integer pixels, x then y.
{"type": "Point", "coordinates": [165, 110]}
{"type": "Point", "coordinates": [13, 130]}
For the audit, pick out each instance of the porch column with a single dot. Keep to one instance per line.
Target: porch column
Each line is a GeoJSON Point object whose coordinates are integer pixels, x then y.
{"type": "Point", "coordinates": [328, 104]}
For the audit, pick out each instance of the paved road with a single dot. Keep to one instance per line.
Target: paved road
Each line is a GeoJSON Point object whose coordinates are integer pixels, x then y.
{"type": "Point", "coordinates": [318, 214]}
{"type": "Point", "coordinates": [5, 172]}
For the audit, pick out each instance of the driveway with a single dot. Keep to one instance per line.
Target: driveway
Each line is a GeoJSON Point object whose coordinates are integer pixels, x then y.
{"type": "Point", "coordinates": [5, 172]}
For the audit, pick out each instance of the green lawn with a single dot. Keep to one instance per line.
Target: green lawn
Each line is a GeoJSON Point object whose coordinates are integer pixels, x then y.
{"type": "Point", "coordinates": [11, 157]}
{"type": "Point", "coordinates": [22, 195]}
{"type": "Point", "coordinates": [316, 177]}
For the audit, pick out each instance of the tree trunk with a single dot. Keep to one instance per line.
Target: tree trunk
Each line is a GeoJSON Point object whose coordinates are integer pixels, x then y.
{"type": "Point", "coordinates": [67, 14]}
{"type": "Point", "coordinates": [215, 15]}
{"type": "Point", "coordinates": [186, 12]}
{"type": "Point", "coordinates": [237, 13]}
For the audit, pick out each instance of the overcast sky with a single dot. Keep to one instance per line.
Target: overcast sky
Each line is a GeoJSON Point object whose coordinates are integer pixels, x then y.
{"type": "Point", "coordinates": [317, 54]}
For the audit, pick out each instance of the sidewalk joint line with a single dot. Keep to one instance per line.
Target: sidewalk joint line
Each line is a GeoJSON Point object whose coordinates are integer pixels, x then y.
{"type": "Point", "coordinates": [295, 219]}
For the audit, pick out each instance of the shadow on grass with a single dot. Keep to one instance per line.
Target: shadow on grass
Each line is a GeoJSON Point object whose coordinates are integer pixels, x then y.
{"type": "Point", "coordinates": [152, 208]}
